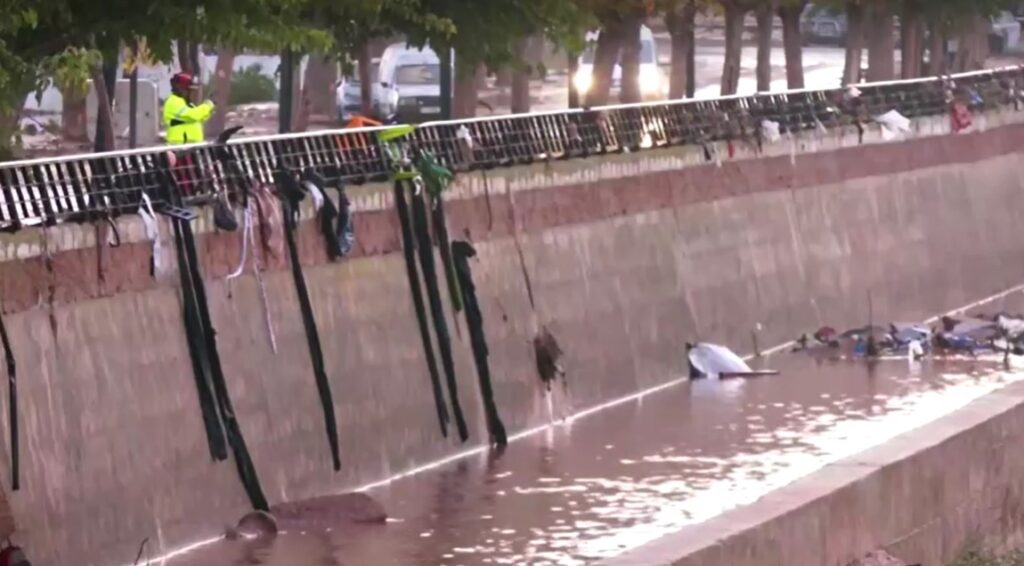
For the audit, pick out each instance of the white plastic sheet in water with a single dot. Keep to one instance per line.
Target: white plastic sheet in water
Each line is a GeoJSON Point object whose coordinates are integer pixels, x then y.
{"type": "Point", "coordinates": [713, 360]}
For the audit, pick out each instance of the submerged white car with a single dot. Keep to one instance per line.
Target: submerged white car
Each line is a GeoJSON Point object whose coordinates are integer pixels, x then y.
{"type": "Point", "coordinates": [653, 83]}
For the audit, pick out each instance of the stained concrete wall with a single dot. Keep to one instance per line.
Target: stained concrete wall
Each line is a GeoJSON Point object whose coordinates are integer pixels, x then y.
{"type": "Point", "coordinates": [629, 257]}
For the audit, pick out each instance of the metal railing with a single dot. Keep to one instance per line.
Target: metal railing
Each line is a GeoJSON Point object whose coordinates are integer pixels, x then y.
{"type": "Point", "coordinates": [89, 187]}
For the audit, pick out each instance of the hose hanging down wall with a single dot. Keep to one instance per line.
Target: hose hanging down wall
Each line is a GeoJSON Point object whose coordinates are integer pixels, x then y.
{"type": "Point", "coordinates": [12, 400]}
{"type": "Point", "coordinates": [461, 252]}
{"type": "Point", "coordinates": [409, 251]}
{"type": "Point", "coordinates": [421, 230]}
{"type": "Point", "coordinates": [291, 194]}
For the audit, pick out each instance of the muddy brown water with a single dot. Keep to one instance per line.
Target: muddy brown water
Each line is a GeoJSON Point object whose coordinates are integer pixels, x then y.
{"type": "Point", "coordinates": [596, 486]}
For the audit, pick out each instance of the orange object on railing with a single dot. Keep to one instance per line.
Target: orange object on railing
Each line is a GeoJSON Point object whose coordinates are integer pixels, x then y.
{"type": "Point", "coordinates": [357, 121]}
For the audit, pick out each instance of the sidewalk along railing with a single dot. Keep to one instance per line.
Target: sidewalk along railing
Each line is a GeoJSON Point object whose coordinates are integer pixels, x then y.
{"type": "Point", "coordinates": [96, 186]}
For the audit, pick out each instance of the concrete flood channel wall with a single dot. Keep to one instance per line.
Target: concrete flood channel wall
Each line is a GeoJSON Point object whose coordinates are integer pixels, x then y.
{"type": "Point", "coordinates": [628, 257]}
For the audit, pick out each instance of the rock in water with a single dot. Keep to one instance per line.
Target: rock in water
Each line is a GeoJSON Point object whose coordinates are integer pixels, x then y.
{"type": "Point", "coordinates": [878, 558]}
{"type": "Point", "coordinates": [258, 524]}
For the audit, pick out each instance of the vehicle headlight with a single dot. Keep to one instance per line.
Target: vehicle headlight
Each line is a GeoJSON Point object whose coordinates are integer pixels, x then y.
{"type": "Point", "coordinates": [583, 81]}
{"type": "Point", "coordinates": [407, 102]}
{"type": "Point", "coordinates": [650, 80]}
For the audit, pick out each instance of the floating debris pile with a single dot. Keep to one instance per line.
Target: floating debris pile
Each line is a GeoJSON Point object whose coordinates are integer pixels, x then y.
{"type": "Point", "coordinates": [1002, 333]}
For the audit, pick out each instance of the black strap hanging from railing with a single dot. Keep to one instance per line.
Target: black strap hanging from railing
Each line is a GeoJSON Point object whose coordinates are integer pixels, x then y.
{"type": "Point", "coordinates": [197, 351]}
{"type": "Point", "coordinates": [243, 462]}
{"type": "Point", "coordinates": [409, 250]}
{"type": "Point", "coordinates": [12, 400]}
{"type": "Point", "coordinates": [291, 195]}
{"type": "Point", "coordinates": [461, 252]}
{"type": "Point", "coordinates": [203, 346]}
{"type": "Point", "coordinates": [445, 248]}
{"type": "Point", "coordinates": [421, 230]}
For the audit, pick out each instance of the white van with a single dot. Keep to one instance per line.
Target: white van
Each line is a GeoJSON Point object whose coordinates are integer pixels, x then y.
{"type": "Point", "coordinates": [410, 84]}
{"type": "Point", "coordinates": [653, 84]}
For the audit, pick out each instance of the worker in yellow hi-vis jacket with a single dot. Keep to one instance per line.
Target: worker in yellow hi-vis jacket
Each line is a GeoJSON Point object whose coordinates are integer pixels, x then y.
{"type": "Point", "coordinates": [183, 119]}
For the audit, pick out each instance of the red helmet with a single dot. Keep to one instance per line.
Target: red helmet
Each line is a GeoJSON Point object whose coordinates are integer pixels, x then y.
{"type": "Point", "coordinates": [183, 81]}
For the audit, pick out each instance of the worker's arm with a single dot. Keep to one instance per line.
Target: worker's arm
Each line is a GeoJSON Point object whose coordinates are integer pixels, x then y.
{"type": "Point", "coordinates": [199, 113]}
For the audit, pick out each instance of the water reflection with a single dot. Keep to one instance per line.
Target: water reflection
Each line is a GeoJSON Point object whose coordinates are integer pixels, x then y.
{"type": "Point", "coordinates": [635, 472]}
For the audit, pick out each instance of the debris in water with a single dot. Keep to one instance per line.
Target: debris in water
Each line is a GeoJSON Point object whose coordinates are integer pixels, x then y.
{"type": "Point", "coordinates": [257, 524]}
{"type": "Point", "coordinates": [548, 354]}
{"type": "Point", "coordinates": [718, 362]}
{"type": "Point", "coordinates": [965, 335]}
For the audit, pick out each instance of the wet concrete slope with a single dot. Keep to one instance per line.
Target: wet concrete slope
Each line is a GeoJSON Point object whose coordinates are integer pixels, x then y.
{"type": "Point", "coordinates": [627, 258]}
{"type": "Point", "coordinates": [925, 496]}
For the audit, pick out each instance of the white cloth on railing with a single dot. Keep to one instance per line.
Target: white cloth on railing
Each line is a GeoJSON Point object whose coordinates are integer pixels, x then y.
{"type": "Point", "coordinates": [893, 124]}
{"type": "Point", "coordinates": [770, 131]}
{"type": "Point", "coordinates": [249, 237]}
{"type": "Point", "coordinates": [315, 194]}
{"type": "Point", "coordinates": [162, 264]}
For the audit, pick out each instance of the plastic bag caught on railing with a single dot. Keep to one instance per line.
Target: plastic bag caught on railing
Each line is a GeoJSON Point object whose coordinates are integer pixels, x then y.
{"type": "Point", "coordinates": [770, 131]}
{"type": "Point", "coordinates": [893, 124]}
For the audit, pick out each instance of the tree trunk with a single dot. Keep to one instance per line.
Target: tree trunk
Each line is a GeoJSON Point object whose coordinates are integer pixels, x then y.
{"type": "Point", "coordinates": [765, 15]}
{"type": "Point", "coordinates": [972, 45]}
{"type": "Point", "coordinates": [691, 63]}
{"type": "Point", "coordinates": [855, 16]}
{"type": "Point", "coordinates": [185, 57]}
{"type": "Point", "coordinates": [792, 42]}
{"type": "Point", "coordinates": [734, 15]}
{"type": "Point", "coordinates": [881, 44]}
{"type": "Point", "coordinates": [104, 116]}
{"type": "Point", "coordinates": [521, 80]}
{"type": "Point", "coordinates": [74, 122]}
{"type": "Point", "coordinates": [197, 68]}
{"type": "Point", "coordinates": [630, 87]}
{"type": "Point", "coordinates": [574, 67]}
{"type": "Point", "coordinates": [936, 50]}
{"type": "Point", "coordinates": [912, 41]}
{"type": "Point", "coordinates": [220, 88]}
{"type": "Point", "coordinates": [321, 78]}
{"type": "Point", "coordinates": [609, 43]}
{"type": "Point", "coordinates": [680, 23]}
{"type": "Point", "coordinates": [467, 92]}
{"type": "Point", "coordinates": [300, 100]}
{"type": "Point", "coordinates": [503, 76]}
{"type": "Point", "coordinates": [10, 112]}
{"type": "Point", "coordinates": [366, 79]}
{"type": "Point", "coordinates": [535, 49]}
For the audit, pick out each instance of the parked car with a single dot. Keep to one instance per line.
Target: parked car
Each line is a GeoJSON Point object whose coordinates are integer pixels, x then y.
{"type": "Point", "coordinates": [653, 85]}
{"type": "Point", "coordinates": [349, 93]}
{"type": "Point", "coordinates": [1005, 32]}
{"type": "Point", "coordinates": [821, 24]}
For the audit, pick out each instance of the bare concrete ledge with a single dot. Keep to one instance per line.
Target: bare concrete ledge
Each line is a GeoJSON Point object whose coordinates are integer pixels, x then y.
{"type": "Point", "coordinates": [923, 496]}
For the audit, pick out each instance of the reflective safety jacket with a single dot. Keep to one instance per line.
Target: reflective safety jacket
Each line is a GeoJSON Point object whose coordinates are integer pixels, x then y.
{"type": "Point", "coordinates": [184, 120]}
